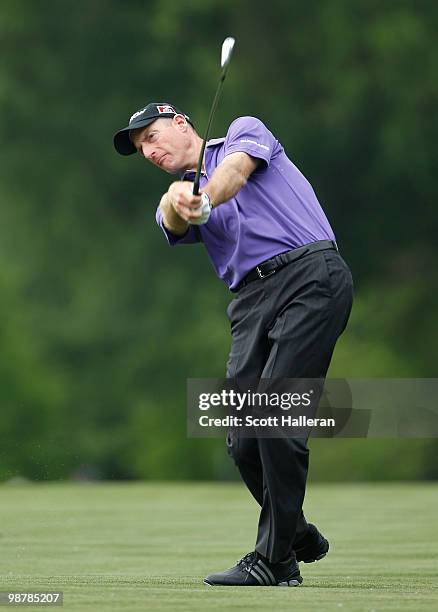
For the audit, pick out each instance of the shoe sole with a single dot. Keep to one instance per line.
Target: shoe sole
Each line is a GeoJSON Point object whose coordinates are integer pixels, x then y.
{"type": "Point", "coordinates": [293, 582]}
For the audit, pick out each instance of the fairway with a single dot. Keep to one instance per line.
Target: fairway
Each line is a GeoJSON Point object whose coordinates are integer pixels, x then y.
{"type": "Point", "coordinates": [147, 546]}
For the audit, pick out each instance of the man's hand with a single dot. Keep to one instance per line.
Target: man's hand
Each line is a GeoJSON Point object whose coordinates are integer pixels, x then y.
{"type": "Point", "coordinates": [187, 206]}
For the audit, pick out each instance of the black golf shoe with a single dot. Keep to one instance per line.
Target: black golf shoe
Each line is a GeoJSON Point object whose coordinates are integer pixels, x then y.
{"type": "Point", "coordinates": [312, 547]}
{"type": "Point", "coordinates": [255, 570]}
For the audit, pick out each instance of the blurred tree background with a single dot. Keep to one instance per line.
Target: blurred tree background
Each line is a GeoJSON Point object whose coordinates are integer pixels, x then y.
{"type": "Point", "coordinates": [101, 322]}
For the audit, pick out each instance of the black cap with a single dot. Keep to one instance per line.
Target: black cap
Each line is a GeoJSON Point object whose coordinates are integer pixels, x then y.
{"type": "Point", "coordinates": [142, 118]}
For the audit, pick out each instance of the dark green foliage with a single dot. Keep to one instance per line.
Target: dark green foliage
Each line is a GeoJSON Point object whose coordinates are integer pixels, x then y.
{"type": "Point", "coordinates": [101, 323]}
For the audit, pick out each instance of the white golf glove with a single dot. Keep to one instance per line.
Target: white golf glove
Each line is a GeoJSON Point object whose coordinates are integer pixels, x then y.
{"type": "Point", "coordinates": [205, 209]}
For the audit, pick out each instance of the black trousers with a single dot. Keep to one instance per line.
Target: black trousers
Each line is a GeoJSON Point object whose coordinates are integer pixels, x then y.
{"type": "Point", "coordinates": [285, 326]}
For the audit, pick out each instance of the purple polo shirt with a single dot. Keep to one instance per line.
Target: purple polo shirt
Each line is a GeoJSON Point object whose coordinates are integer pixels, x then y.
{"type": "Point", "coordinates": [276, 211]}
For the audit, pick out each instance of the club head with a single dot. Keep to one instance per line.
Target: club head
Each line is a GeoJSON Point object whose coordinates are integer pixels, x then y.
{"type": "Point", "coordinates": [227, 50]}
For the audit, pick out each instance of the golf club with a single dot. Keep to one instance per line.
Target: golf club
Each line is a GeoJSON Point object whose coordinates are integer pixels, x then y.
{"type": "Point", "coordinates": [227, 49]}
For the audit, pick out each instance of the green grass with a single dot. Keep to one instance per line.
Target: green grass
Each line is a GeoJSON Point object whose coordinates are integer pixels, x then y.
{"type": "Point", "coordinates": [148, 546]}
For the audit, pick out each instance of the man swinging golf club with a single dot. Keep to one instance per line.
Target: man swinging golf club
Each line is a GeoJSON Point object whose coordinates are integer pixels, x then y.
{"type": "Point", "coordinates": [271, 243]}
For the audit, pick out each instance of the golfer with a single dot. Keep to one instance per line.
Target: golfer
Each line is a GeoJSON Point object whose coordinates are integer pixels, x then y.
{"type": "Point", "coordinates": [271, 243]}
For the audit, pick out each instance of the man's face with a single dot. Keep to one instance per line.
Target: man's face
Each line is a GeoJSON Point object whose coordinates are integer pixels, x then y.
{"type": "Point", "coordinates": [164, 143]}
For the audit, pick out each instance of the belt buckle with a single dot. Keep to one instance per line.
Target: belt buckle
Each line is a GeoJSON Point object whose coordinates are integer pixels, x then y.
{"type": "Point", "coordinates": [261, 275]}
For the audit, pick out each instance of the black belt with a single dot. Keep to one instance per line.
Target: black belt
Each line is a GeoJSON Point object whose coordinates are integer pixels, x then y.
{"type": "Point", "coordinates": [269, 267]}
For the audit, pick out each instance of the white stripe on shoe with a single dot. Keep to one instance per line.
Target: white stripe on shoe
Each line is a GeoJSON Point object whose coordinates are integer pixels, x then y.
{"type": "Point", "coordinates": [263, 574]}
{"type": "Point", "coordinates": [268, 571]}
{"type": "Point", "coordinates": [262, 581]}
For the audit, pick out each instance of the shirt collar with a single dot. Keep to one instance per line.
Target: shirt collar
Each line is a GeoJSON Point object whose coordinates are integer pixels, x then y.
{"type": "Point", "coordinates": [189, 175]}
{"type": "Point", "coordinates": [215, 141]}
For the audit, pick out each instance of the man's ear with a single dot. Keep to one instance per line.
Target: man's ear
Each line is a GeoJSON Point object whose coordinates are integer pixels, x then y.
{"type": "Point", "coordinates": [180, 122]}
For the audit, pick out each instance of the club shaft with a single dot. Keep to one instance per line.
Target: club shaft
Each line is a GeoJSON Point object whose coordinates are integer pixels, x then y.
{"type": "Point", "coordinates": [207, 132]}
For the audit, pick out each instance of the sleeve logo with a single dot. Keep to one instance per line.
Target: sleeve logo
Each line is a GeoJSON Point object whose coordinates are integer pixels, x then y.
{"type": "Point", "coordinates": [258, 144]}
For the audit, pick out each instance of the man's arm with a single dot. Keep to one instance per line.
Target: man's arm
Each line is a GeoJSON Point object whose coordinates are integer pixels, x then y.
{"type": "Point", "coordinates": [230, 176]}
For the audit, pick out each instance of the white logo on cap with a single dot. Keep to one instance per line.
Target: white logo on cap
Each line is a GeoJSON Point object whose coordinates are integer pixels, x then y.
{"type": "Point", "coordinates": [140, 112]}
